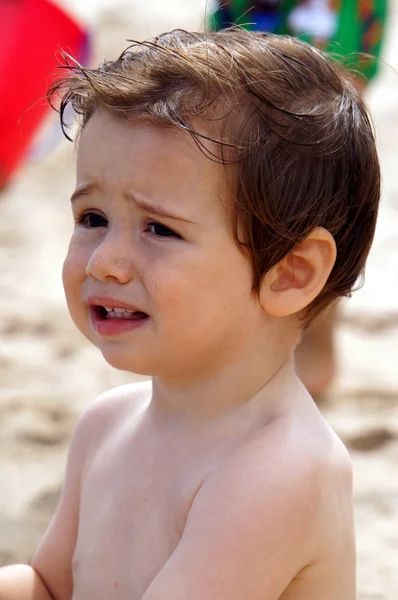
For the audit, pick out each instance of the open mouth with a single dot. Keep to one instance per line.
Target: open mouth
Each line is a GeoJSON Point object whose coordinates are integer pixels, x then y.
{"type": "Point", "coordinates": [104, 313]}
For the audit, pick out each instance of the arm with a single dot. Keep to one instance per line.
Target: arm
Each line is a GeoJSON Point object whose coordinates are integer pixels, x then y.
{"type": "Point", "coordinates": [250, 531]}
{"type": "Point", "coordinates": [50, 576]}
{"type": "Point", "coordinates": [21, 582]}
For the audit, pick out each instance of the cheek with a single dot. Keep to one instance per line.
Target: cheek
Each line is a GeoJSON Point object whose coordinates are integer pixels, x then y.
{"type": "Point", "coordinates": [74, 270]}
{"type": "Point", "coordinates": [211, 285]}
{"type": "Point", "coordinates": [158, 286]}
{"type": "Point", "coordinates": [73, 276]}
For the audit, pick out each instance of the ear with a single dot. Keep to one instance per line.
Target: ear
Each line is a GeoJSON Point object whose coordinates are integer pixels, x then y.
{"type": "Point", "coordinates": [296, 280]}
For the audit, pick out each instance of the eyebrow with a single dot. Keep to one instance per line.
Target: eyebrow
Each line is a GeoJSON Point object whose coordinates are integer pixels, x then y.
{"type": "Point", "coordinates": [143, 205]}
{"type": "Point", "coordinates": [84, 190]}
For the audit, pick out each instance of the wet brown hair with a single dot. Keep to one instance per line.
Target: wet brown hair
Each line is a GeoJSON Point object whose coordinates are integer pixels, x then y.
{"type": "Point", "coordinates": [283, 113]}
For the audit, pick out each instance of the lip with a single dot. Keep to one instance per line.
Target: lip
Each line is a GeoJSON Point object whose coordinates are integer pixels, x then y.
{"type": "Point", "coordinates": [112, 327]}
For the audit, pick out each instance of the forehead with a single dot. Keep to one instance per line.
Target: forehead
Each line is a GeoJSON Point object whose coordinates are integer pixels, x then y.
{"type": "Point", "coordinates": [152, 159]}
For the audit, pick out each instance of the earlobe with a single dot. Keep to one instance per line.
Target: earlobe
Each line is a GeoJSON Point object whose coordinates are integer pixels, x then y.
{"type": "Point", "coordinates": [292, 284]}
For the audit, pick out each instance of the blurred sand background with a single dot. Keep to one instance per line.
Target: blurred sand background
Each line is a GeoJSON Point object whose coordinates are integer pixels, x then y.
{"type": "Point", "coordinates": [48, 372]}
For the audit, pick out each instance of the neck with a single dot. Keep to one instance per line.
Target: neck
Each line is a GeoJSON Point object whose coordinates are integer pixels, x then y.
{"type": "Point", "coordinates": [255, 371]}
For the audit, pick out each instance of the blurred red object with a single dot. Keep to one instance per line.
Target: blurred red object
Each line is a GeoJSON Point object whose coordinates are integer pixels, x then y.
{"type": "Point", "coordinates": [32, 32]}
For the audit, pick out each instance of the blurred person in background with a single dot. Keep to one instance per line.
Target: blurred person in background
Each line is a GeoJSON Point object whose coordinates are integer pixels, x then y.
{"type": "Point", "coordinates": [44, 28]}
{"type": "Point", "coordinates": [352, 30]}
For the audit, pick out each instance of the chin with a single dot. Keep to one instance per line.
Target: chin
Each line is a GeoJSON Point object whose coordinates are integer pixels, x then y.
{"type": "Point", "coordinates": [132, 364]}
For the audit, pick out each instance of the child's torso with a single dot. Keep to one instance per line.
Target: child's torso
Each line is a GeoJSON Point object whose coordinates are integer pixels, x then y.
{"type": "Point", "coordinates": [136, 493]}
{"type": "Point", "coordinates": [134, 502]}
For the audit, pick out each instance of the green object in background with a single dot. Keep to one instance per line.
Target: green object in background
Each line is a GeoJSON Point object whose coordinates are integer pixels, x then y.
{"type": "Point", "coordinates": [346, 28]}
{"type": "Point", "coordinates": [361, 29]}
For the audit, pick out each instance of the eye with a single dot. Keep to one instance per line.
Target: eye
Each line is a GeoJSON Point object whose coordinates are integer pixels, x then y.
{"type": "Point", "coordinates": [92, 220]}
{"type": "Point", "coordinates": [161, 230]}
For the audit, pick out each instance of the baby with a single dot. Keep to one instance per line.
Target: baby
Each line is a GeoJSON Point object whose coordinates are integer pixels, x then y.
{"type": "Point", "coordinates": [227, 192]}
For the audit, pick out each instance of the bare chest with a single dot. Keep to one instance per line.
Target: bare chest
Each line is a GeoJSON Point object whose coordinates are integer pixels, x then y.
{"type": "Point", "coordinates": [134, 504]}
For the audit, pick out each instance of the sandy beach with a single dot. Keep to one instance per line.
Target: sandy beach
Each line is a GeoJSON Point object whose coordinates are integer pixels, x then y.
{"type": "Point", "coordinates": [49, 373]}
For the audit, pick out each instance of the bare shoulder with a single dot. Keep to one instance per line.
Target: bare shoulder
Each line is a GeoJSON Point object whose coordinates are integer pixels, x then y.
{"type": "Point", "coordinates": [104, 417]}
{"type": "Point", "coordinates": [291, 486]}
{"type": "Point", "coordinates": [111, 408]}
{"type": "Point", "coordinates": [304, 455]}
{"type": "Point", "coordinates": [130, 396]}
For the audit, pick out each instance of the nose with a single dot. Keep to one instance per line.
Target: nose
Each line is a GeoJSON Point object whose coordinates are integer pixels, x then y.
{"type": "Point", "coordinates": [109, 261]}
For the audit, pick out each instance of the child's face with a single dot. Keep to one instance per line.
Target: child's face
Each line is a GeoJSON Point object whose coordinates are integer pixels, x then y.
{"type": "Point", "coordinates": [185, 277]}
